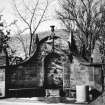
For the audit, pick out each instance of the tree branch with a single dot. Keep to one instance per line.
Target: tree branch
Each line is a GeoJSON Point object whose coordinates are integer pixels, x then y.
{"type": "Point", "coordinates": [27, 7]}
{"type": "Point", "coordinates": [84, 5]}
{"type": "Point", "coordinates": [41, 18]}
{"type": "Point", "coordinates": [21, 15]}
{"type": "Point", "coordinates": [34, 12]}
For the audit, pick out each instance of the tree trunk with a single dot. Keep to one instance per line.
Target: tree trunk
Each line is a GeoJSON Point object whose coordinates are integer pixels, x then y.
{"type": "Point", "coordinates": [30, 44]}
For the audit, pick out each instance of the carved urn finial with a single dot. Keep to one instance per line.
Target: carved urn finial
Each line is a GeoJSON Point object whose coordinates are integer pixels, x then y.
{"type": "Point", "coordinates": [52, 36]}
{"type": "Point", "coordinates": [52, 28]}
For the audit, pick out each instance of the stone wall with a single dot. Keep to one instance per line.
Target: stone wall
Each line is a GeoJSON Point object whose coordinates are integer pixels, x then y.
{"type": "Point", "coordinates": [85, 74]}
{"type": "Point", "coordinates": [31, 73]}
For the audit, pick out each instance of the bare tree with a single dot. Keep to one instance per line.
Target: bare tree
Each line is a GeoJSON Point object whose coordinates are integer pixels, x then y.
{"type": "Point", "coordinates": [86, 16]}
{"type": "Point", "coordinates": [18, 34]}
{"type": "Point", "coordinates": [21, 39]}
{"type": "Point", "coordinates": [33, 16]}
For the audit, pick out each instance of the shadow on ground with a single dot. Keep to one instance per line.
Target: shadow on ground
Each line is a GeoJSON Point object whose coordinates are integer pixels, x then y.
{"type": "Point", "coordinates": [40, 96]}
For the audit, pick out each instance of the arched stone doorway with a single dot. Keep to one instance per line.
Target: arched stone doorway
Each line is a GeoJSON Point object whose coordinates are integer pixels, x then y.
{"type": "Point", "coordinates": [53, 71]}
{"type": "Point", "coordinates": [61, 57]}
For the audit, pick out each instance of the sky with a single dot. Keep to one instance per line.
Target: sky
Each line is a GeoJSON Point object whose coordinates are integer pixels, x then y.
{"type": "Point", "coordinates": [6, 7]}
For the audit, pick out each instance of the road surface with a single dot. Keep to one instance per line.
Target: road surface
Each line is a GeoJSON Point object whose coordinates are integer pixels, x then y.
{"type": "Point", "coordinates": [35, 101]}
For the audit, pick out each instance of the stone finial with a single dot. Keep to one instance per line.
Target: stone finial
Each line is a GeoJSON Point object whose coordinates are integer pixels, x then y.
{"type": "Point", "coordinates": [52, 28]}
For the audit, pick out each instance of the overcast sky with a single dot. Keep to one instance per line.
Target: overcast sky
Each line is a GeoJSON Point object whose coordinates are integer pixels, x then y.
{"type": "Point", "coordinates": [8, 14]}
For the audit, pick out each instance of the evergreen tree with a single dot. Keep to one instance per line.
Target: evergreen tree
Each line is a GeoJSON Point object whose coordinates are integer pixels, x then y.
{"type": "Point", "coordinates": [72, 45]}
